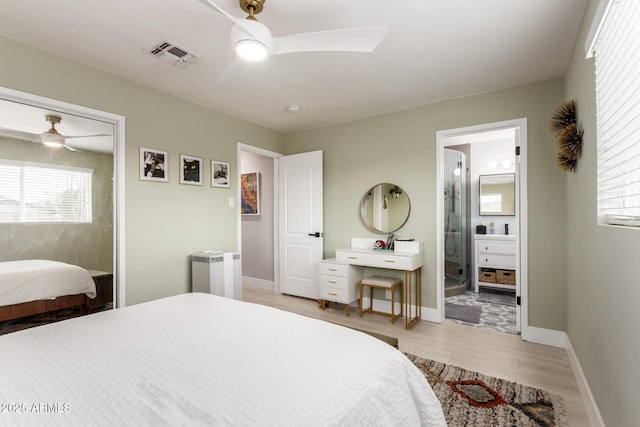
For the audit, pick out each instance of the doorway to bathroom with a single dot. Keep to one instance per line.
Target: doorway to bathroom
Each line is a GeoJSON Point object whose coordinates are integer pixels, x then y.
{"type": "Point", "coordinates": [472, 288]}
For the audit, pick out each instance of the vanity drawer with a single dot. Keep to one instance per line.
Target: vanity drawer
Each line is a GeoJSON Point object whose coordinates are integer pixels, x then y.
{"type": "Point", "coordinates": [333, 269]}
{"type": "Point", "coordinates": [334, 281]}
{"type": "Point", "coordinates": [333, 294]}
{"type": "Point", "coordinates": [391, 261]}
{"type": "Point", "coordinates": [358, 258]}
{"type": "Point", "coordinates": [501, 260]}
{"type": "Point", "coordinates": [496, 248]}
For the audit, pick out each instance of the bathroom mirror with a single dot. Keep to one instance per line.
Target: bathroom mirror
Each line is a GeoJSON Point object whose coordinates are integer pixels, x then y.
{"type": "Point", "coordinates": [385, 208]}
{"type": "Point", "coordinates": [497, 195]}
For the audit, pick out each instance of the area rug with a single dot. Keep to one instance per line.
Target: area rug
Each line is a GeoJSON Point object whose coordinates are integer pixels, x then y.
{"type": "Point", "coordinates": [502, 298]}
{"type": "Point", "coordinates": [466, 313]}
{"type": "Point", "coordinates": [470, 398]}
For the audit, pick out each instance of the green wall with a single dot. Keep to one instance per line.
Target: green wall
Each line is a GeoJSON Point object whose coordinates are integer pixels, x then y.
{"type": "Point", "coordinates": [603, 288]}
{"type": "Point", "coordinates": [87, 245]}
{"type": "Point", "coordinates": [165, 222]}
{"type": "Point", "coordinates": [401, 148]}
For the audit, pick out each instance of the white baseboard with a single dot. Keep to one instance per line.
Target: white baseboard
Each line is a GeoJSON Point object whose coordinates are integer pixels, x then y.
{"type": "Point", "coordinates": [252, 282]}
{"type": "Point", "coordinates": [595, 418]}
{"type": "Point", "coordinates": [430, 315]}
{"type": "Point", "coordinates": [545, 336]}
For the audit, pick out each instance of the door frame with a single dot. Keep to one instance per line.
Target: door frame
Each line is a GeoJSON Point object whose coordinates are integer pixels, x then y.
{"type": "Point", "coordinates": [276, 241]}
{"type": "Point", "coordinates": [118, 123]}
{"type": "Point", "coordinates": [521, 209]}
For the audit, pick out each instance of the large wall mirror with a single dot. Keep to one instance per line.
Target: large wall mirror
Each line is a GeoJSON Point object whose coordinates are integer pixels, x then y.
{"type": "Point", "coordinates": [385, 208]}
{"type": "Point", "coordinates": [497, 195]}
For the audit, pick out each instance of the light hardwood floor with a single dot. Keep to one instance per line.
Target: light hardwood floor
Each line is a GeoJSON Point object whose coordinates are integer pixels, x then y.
{"type": "Point", "coordinates": [484, 350]}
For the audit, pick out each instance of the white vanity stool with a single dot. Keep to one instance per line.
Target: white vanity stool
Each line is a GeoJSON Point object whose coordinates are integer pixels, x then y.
{"type": "Point", "coordinates": [386, 283]}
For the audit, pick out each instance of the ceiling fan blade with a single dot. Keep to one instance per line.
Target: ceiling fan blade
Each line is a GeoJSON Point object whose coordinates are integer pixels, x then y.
{"type": "Point", "coordinates": [18, 134]}
{"type": "Point", "coordinates": [364, 39]}
{"type": "Point", "coordinates": [71, 148]}
{"type": "Point", "coordinates": [241, 22]}
{"type": "Point", "coordinates": [85, 136]}
{"type": "Point", "coordinates": [230, 74]}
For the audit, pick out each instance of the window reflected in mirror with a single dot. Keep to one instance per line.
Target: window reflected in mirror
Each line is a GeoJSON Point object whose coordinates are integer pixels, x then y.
{"type": "Point", "coordinates": [497, 195]}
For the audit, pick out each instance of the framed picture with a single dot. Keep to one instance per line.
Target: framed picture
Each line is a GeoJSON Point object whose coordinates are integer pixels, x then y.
{"type": "Point", "coordinates": [250, 193]}
{"type": "Point", "coordinates": [220, 174]}
{"type": "Point", "coordinates": [153, 165]}
{"type": "Point", "coordinates": [190, 170]}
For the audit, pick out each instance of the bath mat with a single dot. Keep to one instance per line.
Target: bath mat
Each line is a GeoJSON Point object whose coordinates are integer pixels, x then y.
{"type": "Point", "coordinates": [466, 313]}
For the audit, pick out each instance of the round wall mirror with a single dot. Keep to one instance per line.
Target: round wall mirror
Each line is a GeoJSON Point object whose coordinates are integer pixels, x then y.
{"type": "Point", "coordinates": [385, 208]}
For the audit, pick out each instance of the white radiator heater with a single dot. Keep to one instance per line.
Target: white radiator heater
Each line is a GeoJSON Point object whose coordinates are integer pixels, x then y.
{"type": "Point", "coordinates": [217, 273]}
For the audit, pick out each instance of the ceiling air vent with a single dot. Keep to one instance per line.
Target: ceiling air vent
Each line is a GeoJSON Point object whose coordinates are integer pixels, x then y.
{"type": "Point", "coordinates": [172, 54]}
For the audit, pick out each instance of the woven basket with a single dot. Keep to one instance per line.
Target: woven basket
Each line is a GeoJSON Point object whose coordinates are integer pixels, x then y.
{"type": "Point", "coordinates": [506, 277]}
{"type": "Point", "coordinates": [488, 276]}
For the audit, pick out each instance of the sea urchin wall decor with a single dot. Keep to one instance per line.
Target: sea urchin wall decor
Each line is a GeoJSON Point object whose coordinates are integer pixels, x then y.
{"type": "Point", "coordinates": [568, 132]}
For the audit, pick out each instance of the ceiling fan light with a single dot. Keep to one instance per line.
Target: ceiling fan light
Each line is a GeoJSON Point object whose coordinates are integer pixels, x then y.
{"type": "Point", "coordinates": [251, 50]}
{"type": "Point", "coordinates": [53, 144]}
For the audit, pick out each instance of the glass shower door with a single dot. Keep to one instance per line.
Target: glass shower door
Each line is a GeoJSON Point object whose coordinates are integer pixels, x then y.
{"type": "Point", "coordinates": [455, 219]}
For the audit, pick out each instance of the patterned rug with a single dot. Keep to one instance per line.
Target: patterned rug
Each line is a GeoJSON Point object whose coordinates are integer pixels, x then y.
{"type": "Point", "coordinates": [470, 398]}
{"type": "Point", "coordinates": [494, 316]}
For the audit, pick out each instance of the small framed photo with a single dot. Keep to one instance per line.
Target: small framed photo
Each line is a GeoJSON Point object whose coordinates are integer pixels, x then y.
{"type": "Point", "coordinates": [153, 165]}
{"type": "Point", "coordinates": [250, 193]}
{"type": "Point", "coordinates": [220, 174]}
{"type": "Point", "coordinates": [190, 170]}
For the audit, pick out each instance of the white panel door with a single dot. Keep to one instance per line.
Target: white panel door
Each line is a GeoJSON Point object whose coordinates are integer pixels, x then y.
{"type": "Point", "coordinates": [300, 211]}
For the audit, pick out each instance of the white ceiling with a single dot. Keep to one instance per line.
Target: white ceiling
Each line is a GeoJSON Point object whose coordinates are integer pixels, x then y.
{"type": "Point", "coordinates": [434, 50]}
{"type": "Point", "coordinates": [27, 118]}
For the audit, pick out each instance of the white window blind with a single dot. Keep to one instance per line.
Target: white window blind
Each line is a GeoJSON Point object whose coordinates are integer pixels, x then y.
{"type": "Point", "coordinates": [617, 60]}
{"type": "Point", "coordinates": [40, 193]}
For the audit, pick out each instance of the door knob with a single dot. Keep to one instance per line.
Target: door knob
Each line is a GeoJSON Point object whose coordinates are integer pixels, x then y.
{"type": "Point", "coordinates": [316, 234]}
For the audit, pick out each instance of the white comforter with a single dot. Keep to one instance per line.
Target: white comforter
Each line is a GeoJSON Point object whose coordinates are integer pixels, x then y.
{"type": "Point", "coordinates": [32, 280]}
{"type": "Point", "coordinates": [199, 359]}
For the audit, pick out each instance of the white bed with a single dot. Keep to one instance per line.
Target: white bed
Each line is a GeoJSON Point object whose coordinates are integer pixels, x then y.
{"type": "Point", "coordinates": [199, 359]}
{"type": "Point", "coordinates": [31, 287]}
{"type": "Point", "coordinates": [36, 279]}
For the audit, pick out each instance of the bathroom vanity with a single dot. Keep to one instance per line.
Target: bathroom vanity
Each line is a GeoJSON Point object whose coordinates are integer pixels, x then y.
{"type": "Point", "coordinates": [495, 257]}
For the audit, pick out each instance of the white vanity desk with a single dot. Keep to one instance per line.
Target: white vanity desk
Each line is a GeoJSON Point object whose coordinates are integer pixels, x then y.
{"type": "Point", "coordinates": [407, 256]}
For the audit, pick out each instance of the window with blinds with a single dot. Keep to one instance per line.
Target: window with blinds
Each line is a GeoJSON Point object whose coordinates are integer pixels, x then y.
{"type": "Point", "coordinates": [41, 193]}
{"type": "Point", "coordinates": [617, 59]}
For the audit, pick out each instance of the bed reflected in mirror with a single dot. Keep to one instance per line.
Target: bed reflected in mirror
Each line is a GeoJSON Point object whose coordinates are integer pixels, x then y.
{"type": "Point", "coordinates": [56, 223]}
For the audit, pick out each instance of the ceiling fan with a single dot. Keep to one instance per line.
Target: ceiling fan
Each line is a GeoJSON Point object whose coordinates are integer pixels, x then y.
{"type": "Point", "coordinates": [51, 137]}
{"type": "Point", "coordinates": [253, 41]}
